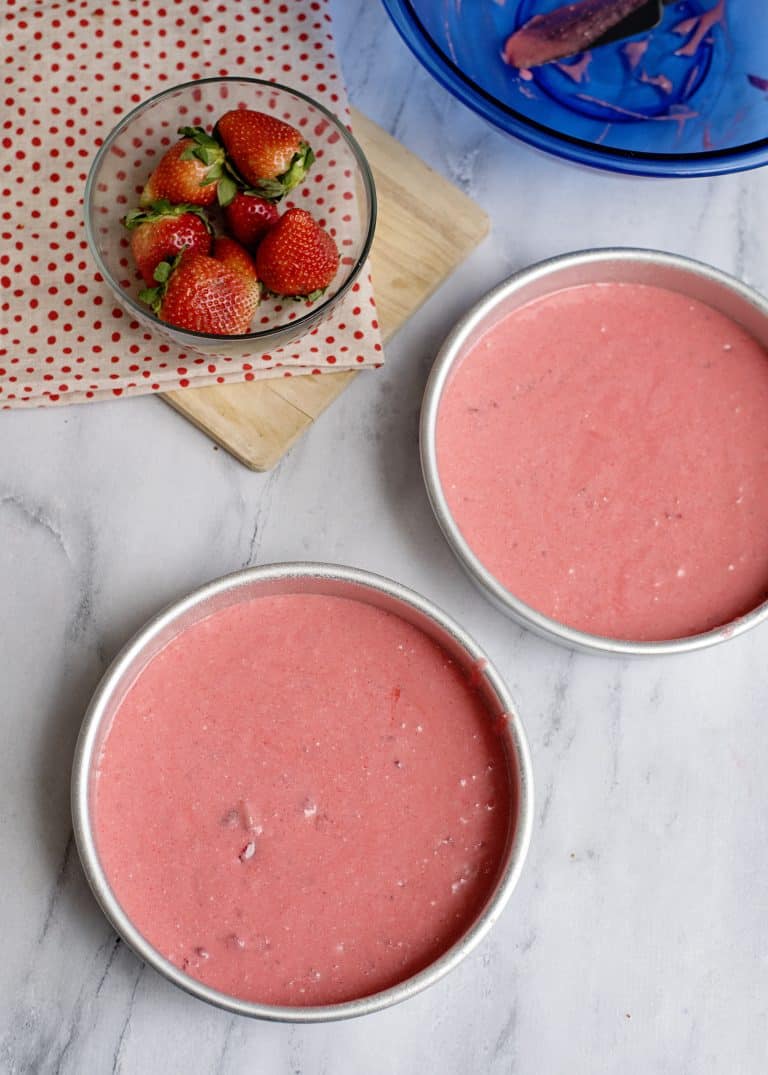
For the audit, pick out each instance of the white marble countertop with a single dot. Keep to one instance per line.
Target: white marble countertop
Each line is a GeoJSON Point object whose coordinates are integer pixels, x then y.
{"type": "Point", "coordinates": [636, 941]}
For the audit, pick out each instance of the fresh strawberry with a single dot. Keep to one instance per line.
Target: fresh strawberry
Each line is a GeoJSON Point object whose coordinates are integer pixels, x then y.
{"type": "Point", "coordinates": [270, 156]}
{"type": "Point", "coordinates": [202, 294]}
{"type": "Point", "coordinates": [190, 172]}
{"type": "Point", "coordinates": [249, 216]}
{"type": "Point", "coordinates": [236, 257]}
{"type": "Point", "coordinates": [297, 256]}
{"type": "Point", "coordinates": [161, 231]}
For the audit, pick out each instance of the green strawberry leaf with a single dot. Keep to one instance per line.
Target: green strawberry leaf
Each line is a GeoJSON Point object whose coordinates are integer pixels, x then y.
{"type": "Point", "coordinates": [134, 218]}
{"type": "Point", "coordinates": [203, 139]}
{"type": "Point", "coordinates": [204, 148]}
{"type": "Point", "coordinates": [298, 168]}
{"type": "Point", "coordinates": [209, 155]}
{"type": "Point", "coordinates": [275, 189]}
{"type": "Point", "coordinates": [205, 156]}
{"type": "Point", "coordinates": [226, 190]}
{"type": "Point", "coordinates": [313, 296]}
{"type": "Point", "coordinates": [162, 209]}
{"type": "Point", "coordinates": [162, 205]}
{"type": "Point", "coordinates": [152, 296]}
{"type": "Point", "coordinates": [271, 189]}
{"type": "Point", "coordinates": [163, 271]}
{"type": "Point", "coordinates": [213, 175]}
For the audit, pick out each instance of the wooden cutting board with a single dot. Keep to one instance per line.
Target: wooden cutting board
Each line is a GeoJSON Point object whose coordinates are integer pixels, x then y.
{"type": "Point", "coordinates": [425, 228]}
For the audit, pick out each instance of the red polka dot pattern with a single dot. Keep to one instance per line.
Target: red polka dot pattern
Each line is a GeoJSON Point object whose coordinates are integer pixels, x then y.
{"type": "Point", "coordinates": [73, 68]}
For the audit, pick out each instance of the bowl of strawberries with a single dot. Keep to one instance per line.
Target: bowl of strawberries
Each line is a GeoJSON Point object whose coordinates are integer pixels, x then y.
{"type": "Point", "coordinates": [230, 215]}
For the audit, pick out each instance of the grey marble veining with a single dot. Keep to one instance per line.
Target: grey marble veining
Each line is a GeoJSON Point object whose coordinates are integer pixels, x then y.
{"type": "Point", "coordinates": [636, 940]}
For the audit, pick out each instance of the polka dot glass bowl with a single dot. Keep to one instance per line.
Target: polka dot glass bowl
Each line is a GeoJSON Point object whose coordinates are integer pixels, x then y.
{"type": "Point", "coordinates": [339, 191]}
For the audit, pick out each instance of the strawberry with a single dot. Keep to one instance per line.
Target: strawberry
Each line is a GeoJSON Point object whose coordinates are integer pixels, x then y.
{"type": "Point", "coordinates": [190, 172]}
{"type": "Point", "coordinates": [237, 258]}
{"type": "Point", "coordinates": [161, 231]}
{"type": "Point", "coordinates": [202, 294]}
{"type": "Point", "coordinates": [269, 156]}
{"type": "Point", "coordinates": [297, 256]}
{"type": "Point", "coordinates": [249, 216]}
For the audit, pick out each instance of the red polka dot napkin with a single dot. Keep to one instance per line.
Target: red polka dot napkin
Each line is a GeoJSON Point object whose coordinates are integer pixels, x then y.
{"type": "Point", "coordinates": [69, 71]}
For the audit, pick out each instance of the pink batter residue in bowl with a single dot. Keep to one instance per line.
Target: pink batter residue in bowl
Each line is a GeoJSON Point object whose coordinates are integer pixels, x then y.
{"type": "Point", "coordinates": [604, 452]}
{"type": "Point", "coordinates": [302, 800]}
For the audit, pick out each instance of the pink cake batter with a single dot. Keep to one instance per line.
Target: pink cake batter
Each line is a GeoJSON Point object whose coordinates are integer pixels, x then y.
{"type": "Point", "coordinates": [604, 452]}
{"type": "Point", "coordinates": [302, 800]}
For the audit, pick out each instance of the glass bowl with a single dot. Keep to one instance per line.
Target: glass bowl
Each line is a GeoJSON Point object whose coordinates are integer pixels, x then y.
{"type": "Point", "coordinates": [338, 190]}
{"type": "Point", "coordinates": [687, 98]}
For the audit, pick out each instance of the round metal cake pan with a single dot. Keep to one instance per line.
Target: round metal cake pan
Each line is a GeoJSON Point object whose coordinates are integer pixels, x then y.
{"type": "Point", "coordinates": [316, 579]}
{"type": "Point", "coordinates": [612, 265]}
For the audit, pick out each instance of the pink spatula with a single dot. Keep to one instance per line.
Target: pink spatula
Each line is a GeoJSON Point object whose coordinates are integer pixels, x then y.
{"type": "Point", "coordinates": [576, 27]}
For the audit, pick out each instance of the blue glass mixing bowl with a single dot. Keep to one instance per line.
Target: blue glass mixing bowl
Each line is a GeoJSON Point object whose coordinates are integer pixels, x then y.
{"type": "Point", "coordinates": [687, 98]}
